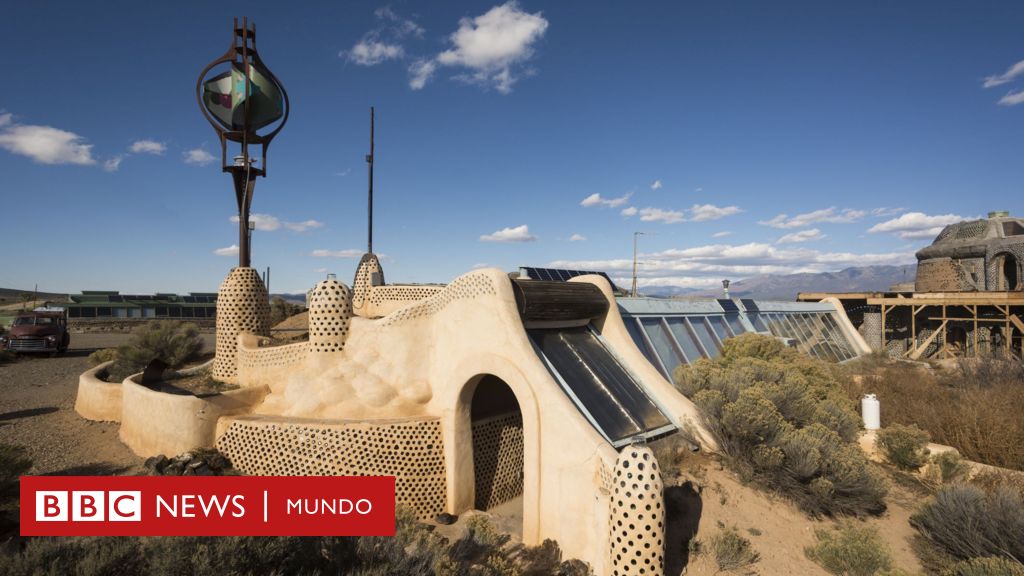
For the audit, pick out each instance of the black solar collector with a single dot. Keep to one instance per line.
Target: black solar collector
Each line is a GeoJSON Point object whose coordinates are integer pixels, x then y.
{"type": "Point", "coordinates": [602, 389]}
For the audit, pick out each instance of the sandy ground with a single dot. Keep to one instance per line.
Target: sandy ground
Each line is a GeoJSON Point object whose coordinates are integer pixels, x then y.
{"type": "Point", "coordinates": [37, 410]}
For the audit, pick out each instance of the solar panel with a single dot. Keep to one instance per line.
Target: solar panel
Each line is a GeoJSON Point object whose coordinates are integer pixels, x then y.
{"type": "Point", "coordinates": [599, 386]}
{"type": "Point", "coordinates": [749, 305]}
{"type": "Point", "coordinates": [728, 305]}
{"type": "Point", "coordinates": [560, 274]}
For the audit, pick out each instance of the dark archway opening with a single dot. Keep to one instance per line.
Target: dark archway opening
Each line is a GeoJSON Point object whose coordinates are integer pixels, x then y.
{"type": "Point", "coordinates": [497, 424]}
{"type": "Point", "coordinates": [1009, 273]}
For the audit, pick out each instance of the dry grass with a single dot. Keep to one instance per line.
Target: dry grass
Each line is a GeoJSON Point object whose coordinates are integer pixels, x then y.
{"type": "Point", "coordinates": [851, 550]}
{"type": "Point", "coordinates": [975, 407]}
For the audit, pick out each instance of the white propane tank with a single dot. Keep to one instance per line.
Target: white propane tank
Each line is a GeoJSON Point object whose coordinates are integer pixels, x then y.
{"type": "Point", "coordinates": [871, 410]}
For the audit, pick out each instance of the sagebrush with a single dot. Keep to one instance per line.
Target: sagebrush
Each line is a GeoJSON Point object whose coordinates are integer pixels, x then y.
{"type": "Point", "coordinates": [904, 446]}
{"type": "Point", "coordinates": [965, 521]}
{"type": "Point", "coordinates": [732, 551]}
{"type": "Point", "coordinates": [782, 419]}
{"type": "Point", "coordinates": [850, 550]}
{"type": "Point", "coordinates": [172, 341]}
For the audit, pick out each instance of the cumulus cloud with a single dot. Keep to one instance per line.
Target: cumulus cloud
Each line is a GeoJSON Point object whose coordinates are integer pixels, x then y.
{"type": "Point", "coordinates": [264, 222]}
{"type": "Point", "coordinates": [420, 72]}
{"type": "Point", "coordinates": [303, 226]}
{"type": "Point", "coordinates": [197, 156]}
{"type": "Point", "coordinates": [801, 236]}
{"type": "Point", "coordinates": [886, 212]}
{"type": "Point", "coordinates": [722, 234]}
{"type": "Point", "coordinates": [577, 238]}
{"type": "Point", "coordinates": [373, 52]}
{"type": "Point", "coordinates": [228, 251]}
{"type": "Point", "coordinates": [1006, 77]}
{"type": "Point", "coordinates": [349, 253]}
{"type": "Point", "coordinates": [826, 215]}
{"type": "Point", "coordinates": [517, 234]}
{"type": "Point", "coordinates": [656, 185]}
{"type": "Point", "coordinates": [630, 211]}
{"type": "Point", "coordinates": [595, 199]}
{"type": "Point", "coordinates": [147, 147]}
{"type": "Point", "coordinates": [659, 215]}
{"type": "Point", "coordinates": [1012, 98]}
{"type": "Point", "coordinates": [382, 43]}
{"type": "Point", "coordinates": [494, 46]}
{"type": "Point", "coordinates": [113, 163]}
{"type": "Point", "coordinates": [44, 144]}
{"type": "Point", "coordinates": [699, 265]}
{"type": "Point", "coordinates": [916, 225]}
{"type": "Point", "coordinates": [704, 212]}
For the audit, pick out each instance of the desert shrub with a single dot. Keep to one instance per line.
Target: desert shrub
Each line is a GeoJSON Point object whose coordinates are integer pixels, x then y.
{"type": "Point", "coordinates": [944, 468]}
{"type": "Point", "coordinates": [172, 341]}
{"type": "Point", "coordinates": [732, 551]}
{"type": "Point", "coordinates": [974, 407]}
{"type": "Point", "coordinates": [850, 550]}
{"type": "Point", "coordinates": [904, 446]}
{"type": "Point", "coordinates": [14, 462]}
{"type": "Point", "coordinates": [991, 566]}
{"type": "Point", "coordinates": [782, 418]}
{"type": "Point", "coordinates": [102, 355]}
{"type": "Point", "coordinates": [281, 309]}
{"type": "Point", "coordinates": [965, 521]}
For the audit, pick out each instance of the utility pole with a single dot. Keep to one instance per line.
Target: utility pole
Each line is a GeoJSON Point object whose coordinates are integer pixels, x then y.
{"type": "Point", "coordinates": [633, 291]}
{"type": "Point", "coordinates": [369, 202]}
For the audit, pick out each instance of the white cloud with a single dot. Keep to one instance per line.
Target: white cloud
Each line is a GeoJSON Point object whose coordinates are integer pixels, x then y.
{"type": "Point", "coordinates": [113, 163]}
{"type": "Point", "coordinates": [494, 45]}
{"type": "Point", "coordinates": [656, 185]}
{"type": "Point", "coordinates": [704, 212]}
{"type": "Point", "coordinates": [303, 226]}
{"type": "Point", "coordinates": [44, 144]}
{"type": "Point", "coordinates": [349, 253]}
{"type": "Point", "coordinates": [420, 72]}
{"type": "Point", "coordinates": [1006, 77]}
{"type": "Point", "coordinates": [264, 222]}
{"type": "Point", "coordinates": [630, 211]}
{"type": "Point", "coordinates": [801, 236]}
{"type": "Point", "coordinates": [320, 270]}
{"type": "Point", "coordinates": [480, 265]}
{"type": "Point", "coordinates": [228, 251]}
{"type": "Point", "coordinates": [517, 234]}
{"type": "Point", "coordinates": [198, 156]}
{"type": "Point", "coordinates": [706, 264]}
{"type": "Point", "coordinates": [1012, 98]}
{"type": "Point", "coordinates": [659, 215]}
{"type": "Point", "coordinates": [886, 212]}
{"type": "Point", "coordinates": [595, 199]}
{"type": "Point", "coordinates": [722, 234]}
{"type": "Point", "coordinates": [147, 147]}
{"type": "Point", "coordinates": [577, 238]}
{"type": "Point", "coordinates": [368, 52]}
{"type": "Point", "coordinates": [399, 26]}
{"type": "Point", "coordinates": [827, 215]}
{"type": "Point", "coordinates": [916, 225]}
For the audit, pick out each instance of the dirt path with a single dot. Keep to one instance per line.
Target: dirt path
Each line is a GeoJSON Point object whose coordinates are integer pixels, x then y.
{"type": "Point", "coordinates": [37, 410]}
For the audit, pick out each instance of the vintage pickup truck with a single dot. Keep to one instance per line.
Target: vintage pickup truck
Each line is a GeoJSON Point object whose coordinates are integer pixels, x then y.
{"type": "Point", "coordinates": [41, 330]}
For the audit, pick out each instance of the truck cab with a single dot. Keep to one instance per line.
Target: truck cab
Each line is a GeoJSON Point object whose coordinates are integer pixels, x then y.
{"type": "Point", "coordinates": [41, 330]}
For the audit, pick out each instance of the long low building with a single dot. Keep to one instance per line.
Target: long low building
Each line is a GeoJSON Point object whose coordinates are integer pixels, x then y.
{"type": "Point", "coordinates": [103, 305]}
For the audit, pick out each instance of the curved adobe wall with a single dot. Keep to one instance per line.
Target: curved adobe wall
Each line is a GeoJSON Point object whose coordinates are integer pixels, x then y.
{"type": "Point", "coordinates": [242, 306]}
{"type": "Point", "coordinates": [330, 312]}
{"type": "Point", "coordinates": [96, 399]}
{"type": "Point", "coordinates": [154, 422]}
{"type": "Point", "coordinates": [362, 284]}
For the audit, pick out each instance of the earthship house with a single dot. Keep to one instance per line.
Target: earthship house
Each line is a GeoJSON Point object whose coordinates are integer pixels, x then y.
{"type": "Point", "coordinates": [489, 391]}
{"type": "Point", "coordinates": [975, 256]}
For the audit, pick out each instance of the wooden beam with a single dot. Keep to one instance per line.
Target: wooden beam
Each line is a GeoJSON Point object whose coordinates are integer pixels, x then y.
{"type": "Point", "coordinates": [915, 354]}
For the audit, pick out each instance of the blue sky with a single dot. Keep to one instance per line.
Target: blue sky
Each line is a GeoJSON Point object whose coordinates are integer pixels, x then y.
{"type": "Point", "coordinates": [740, 137]}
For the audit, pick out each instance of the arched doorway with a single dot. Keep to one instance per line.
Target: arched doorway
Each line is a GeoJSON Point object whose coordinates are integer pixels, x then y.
{"type": "Point", "coordinates": [1007, 272]}
{"type": "Point", "coordinates": [497, 425]}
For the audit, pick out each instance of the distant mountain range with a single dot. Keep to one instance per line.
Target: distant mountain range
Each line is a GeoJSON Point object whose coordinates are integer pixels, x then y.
{"type": "Point", "coordinates": [787, 286]}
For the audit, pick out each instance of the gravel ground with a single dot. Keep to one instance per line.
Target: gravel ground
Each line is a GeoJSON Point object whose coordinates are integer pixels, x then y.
{"type": "Point", "coordinates": [37, 410]}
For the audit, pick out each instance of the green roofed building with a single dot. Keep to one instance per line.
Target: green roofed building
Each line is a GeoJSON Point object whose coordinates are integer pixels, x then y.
{"type": "Point", "coordinates": [100, 305]}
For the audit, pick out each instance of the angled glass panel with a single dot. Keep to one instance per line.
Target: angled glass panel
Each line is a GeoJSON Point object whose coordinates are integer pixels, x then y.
{"type": "Point", "coordinates": [685, 339]}
{"type": "Point", "coordinates": [602, 387]}
{"type": "Point", "coordinates": [662, 345]}
{"type": "Point", "coordinates": [734, 322]}
{"type": "Point", "coordinates": [718, 325]}
{"type": "Point", "coordinates": [640, 341]}
{"type": "Point", "coordinates": [704, 335]}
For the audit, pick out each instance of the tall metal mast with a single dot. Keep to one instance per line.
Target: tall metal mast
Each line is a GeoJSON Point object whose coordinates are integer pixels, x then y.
{"type": "Point", "coordinates": [369, 203]}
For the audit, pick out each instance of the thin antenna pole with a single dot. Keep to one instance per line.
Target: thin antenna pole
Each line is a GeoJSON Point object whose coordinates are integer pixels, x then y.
{"type": "Point", "coordinates": [369, 202]}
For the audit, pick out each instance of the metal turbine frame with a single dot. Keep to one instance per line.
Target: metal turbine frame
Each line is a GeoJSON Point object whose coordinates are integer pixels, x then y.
{"type": "Point", "coordinates": [243, 53]}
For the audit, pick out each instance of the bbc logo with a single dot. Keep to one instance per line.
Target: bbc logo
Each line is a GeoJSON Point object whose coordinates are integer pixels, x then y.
{"type": "Point", "coordinates": [89, 506]}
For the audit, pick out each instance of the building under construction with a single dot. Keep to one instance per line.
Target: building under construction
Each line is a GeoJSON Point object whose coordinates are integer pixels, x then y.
{"type": "Point", "coordinates": [966, 299]}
